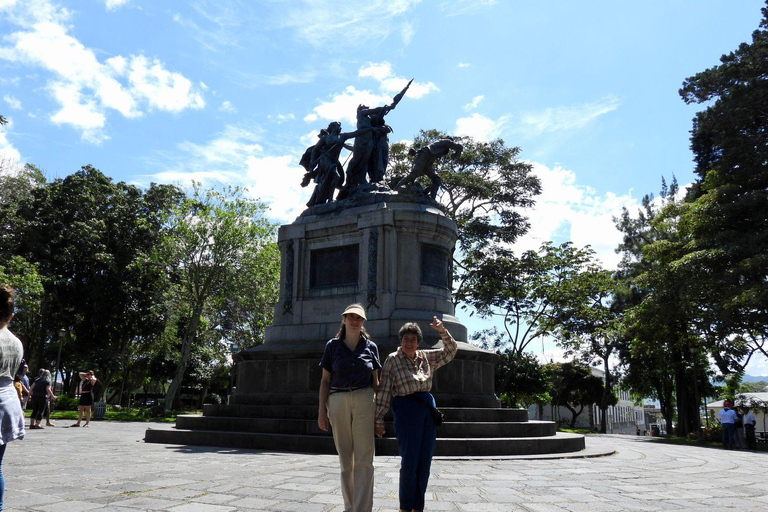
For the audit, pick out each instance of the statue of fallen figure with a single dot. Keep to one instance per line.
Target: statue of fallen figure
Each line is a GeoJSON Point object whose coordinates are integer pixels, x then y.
{"type": "Point", "coordinates": [423, 163]}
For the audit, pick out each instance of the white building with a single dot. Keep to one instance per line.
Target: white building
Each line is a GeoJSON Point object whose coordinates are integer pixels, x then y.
{"type": "Point", "coordinates": [623, 418]}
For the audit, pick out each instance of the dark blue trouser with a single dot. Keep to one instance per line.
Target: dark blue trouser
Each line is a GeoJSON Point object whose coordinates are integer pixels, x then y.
{"type": "Point", "coordinates": [416, 436]}
{"type": "Point", "coordinates": [729, 440]}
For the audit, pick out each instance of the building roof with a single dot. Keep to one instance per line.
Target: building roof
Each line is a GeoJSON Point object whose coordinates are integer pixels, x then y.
{"type": "Point", "coordinates": [742, 399]}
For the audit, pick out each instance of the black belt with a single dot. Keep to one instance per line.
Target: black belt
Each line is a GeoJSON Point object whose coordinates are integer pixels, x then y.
{"type": "Point", "coordinates": [345, 390]}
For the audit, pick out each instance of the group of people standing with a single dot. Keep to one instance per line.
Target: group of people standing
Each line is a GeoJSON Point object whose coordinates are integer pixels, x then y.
{"type": "Point", "coordinates": [356, 391]}
{"type": "Point", "coordinates": [40, 395]}
{"type": "Point", "coordinates": [738, 427]}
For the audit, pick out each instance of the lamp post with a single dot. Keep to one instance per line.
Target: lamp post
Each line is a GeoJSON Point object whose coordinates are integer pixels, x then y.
{"type": "Point", "coordinates": [699, 439]}
{"type": "Point", "coordinates": [62, 334]}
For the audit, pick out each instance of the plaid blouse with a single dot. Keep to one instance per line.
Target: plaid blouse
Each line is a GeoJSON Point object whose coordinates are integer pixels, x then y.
{"type": "Point", "coordinates": [401, 376]}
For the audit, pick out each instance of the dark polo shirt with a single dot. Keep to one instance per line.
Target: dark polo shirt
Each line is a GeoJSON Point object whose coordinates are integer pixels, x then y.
{"type": "Point", "coordinates": [351, 369]}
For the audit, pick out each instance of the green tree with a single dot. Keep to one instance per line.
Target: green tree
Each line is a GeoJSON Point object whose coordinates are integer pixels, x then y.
{"type": "Point", "coordinates": [573, 386]}
{"type": "Point", "coordinates": [528, 293]}
{"type": "Point", "coordinates": [16, 190]}
{"type": "Point", "coordinates": [213, 237]}
{"type": "Point", "coordinates": [725, 216]}
{"type": "Point", "coordinates": [587, 323]}
{"type": "Point", "coordinates": [94, 242]}
{"type": "Point", "coordinates": [520, 380]}
{"type": "Point", "coordinates": [753, 387]}
{"type": "Point", "coordinates": [484, 191]}
{"type": "Point", "coordinates": [662, 351]}
{"type": "Point", "coordinates": [28, 319]}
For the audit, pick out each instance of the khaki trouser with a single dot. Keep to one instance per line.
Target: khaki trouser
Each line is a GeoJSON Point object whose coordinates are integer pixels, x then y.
{"type": "Point", "coordinates": [352, 417]}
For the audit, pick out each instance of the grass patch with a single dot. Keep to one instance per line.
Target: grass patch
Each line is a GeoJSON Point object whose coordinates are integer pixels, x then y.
{"type": "Point", "coordinates": [577, 430]}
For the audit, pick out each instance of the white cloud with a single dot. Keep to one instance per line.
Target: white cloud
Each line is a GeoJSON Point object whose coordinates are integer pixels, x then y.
{"type": "Point", "coordinates": [113, 5]}
{"type": "Point", "coordinates": [85, 88]}
{"type": "Point", "coordinates": [474, 103]}
{"type": "Point", "coordinates": [462, 7]}
{"type": "Point", "coordinates": [281, 118]}
{"type": "Point", "coordinates": [343, 106]}
{"type": "Point", "coordinates": [338, 23]}
{"type": "Point", "coordinates": [226, 106]}
{"type": "Point", "coordinates": [567, 118]}
{"type": "Point", "coordinates": [9, 155]}
{"type": "Point", "coordinates": [391, 83]}
{"type": "Point", "coordinates": [480, 127]}
{"type": "Point", "coordinates": [568, 211]}
{"type": "Point", "coordinates": [161, 88]}
{"type": "Point", "coordinates": [236, 157]}
{"type": "Point", "coordinates": [292, 78]}
{"type": "Point", "coordinates": [276, 180]}
{"type": "Point", "coordinates": [82, 113]}
{"type": "Point", "coordinates": [12, 102]}
{"type": "Point", "coordinates": [463, 65]}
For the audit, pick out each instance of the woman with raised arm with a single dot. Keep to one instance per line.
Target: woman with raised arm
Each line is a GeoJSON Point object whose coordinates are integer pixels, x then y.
{"type": "Point", "coordinates": [87, 383]}
{"type": "Point", "coordinates": [406, 382]}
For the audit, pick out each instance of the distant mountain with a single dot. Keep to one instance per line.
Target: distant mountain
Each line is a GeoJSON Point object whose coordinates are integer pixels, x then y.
{"type": "Point", "coordinates": [752, 378]}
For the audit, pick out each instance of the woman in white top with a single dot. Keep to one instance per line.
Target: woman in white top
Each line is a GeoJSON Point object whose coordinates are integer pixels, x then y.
{"type": "Point", "coordinates": [11, 353]}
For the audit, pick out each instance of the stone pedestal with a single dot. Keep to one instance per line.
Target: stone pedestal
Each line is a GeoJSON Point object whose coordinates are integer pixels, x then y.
{"type": "Point", "coordinates": [393, 255]}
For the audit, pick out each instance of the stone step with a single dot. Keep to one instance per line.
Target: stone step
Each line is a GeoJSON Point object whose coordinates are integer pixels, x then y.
{"type": "Point", "coordinates": [559, 443]}
{"type": "Point", "coordinates": [456, 414]}
{"type": "Point", "coordinates": [298, 426]}
{"type": "Point", "coordinates": [310, 398]}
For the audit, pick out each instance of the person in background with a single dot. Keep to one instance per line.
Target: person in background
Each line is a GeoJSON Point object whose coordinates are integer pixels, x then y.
{"type": "Point", "coordinates": [406, 382]}
{"type": "Point", "coordinates": [749, 428]}
{"type": "Point", "coordinates": [727, 420]}
{"type": "Point", "coordinates": [24, 385]}
{"type": "Point", "coordinates": [738, 431]}
{"type": "Point", "coordinates": [88, 381]}
{"type": "Point", "coordinates": [11, 352]}
{"type": "Point", "coordinates": [351, 367]}
{"type": "Point", "coordinates": [41, 391]}
{"type": "Point", "coordinates": [17, 385]}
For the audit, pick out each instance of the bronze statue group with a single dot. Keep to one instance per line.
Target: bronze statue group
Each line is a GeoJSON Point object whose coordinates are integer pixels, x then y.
{"type": "Point", "coordinates": [369, 159]}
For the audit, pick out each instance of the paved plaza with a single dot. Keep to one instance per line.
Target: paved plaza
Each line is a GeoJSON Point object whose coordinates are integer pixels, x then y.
{"type": "Point", "coordinates": [109, 468]}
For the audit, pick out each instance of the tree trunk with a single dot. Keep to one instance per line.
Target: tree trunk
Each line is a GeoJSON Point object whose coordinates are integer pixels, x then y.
{"type": "Point", "coordinates": [186, 347]}
{"type": "Point", "coordinates": [604, 398]}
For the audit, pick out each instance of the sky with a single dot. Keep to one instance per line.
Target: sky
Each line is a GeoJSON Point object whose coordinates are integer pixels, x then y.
{"type": "Point", "coordinates": [231, 92]}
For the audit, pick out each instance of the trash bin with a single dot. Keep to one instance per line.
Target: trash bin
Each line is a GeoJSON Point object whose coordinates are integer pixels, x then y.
{"type": "Point", "coordinates": [99, 410]}
{"type": "Point", "coordinates": [655, 430]}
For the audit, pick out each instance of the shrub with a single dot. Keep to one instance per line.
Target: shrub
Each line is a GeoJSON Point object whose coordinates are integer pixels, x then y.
{"type": "Point", "coordinates": [212, 398]}
{"type": "Point", "coordinates": [65, 403]}
{"type": "Point", "coordinates": [713, 434]}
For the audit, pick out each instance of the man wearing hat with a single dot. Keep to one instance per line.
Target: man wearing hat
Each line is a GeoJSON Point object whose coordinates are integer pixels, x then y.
{"type": "Point", "coordinates": [728, 421]}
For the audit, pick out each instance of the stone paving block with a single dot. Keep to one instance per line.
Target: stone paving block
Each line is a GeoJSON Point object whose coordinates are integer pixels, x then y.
{"type": "Point", "coordinates": [172, 493]}
{"type": "Point", "coordinates": [147, 503]}
{"type": "Point", "coordinates": [201, 507]}
{"type": "Point", "coordinates": [298, 507]}
{"type": "Point", "coordinates": [543, 507]}
{"type": "Point", "coordinates": [257, 503]}
{"type": "Point", "coordinates": [68, 506]}
{"type": "Point", "coordinates": [214, 498]}
{"type": "Point", "coordinates": [488, 507]}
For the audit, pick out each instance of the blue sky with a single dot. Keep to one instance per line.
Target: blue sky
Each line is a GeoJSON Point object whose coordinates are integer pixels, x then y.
{"type": "Point", "coordinates": [232, 92]}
